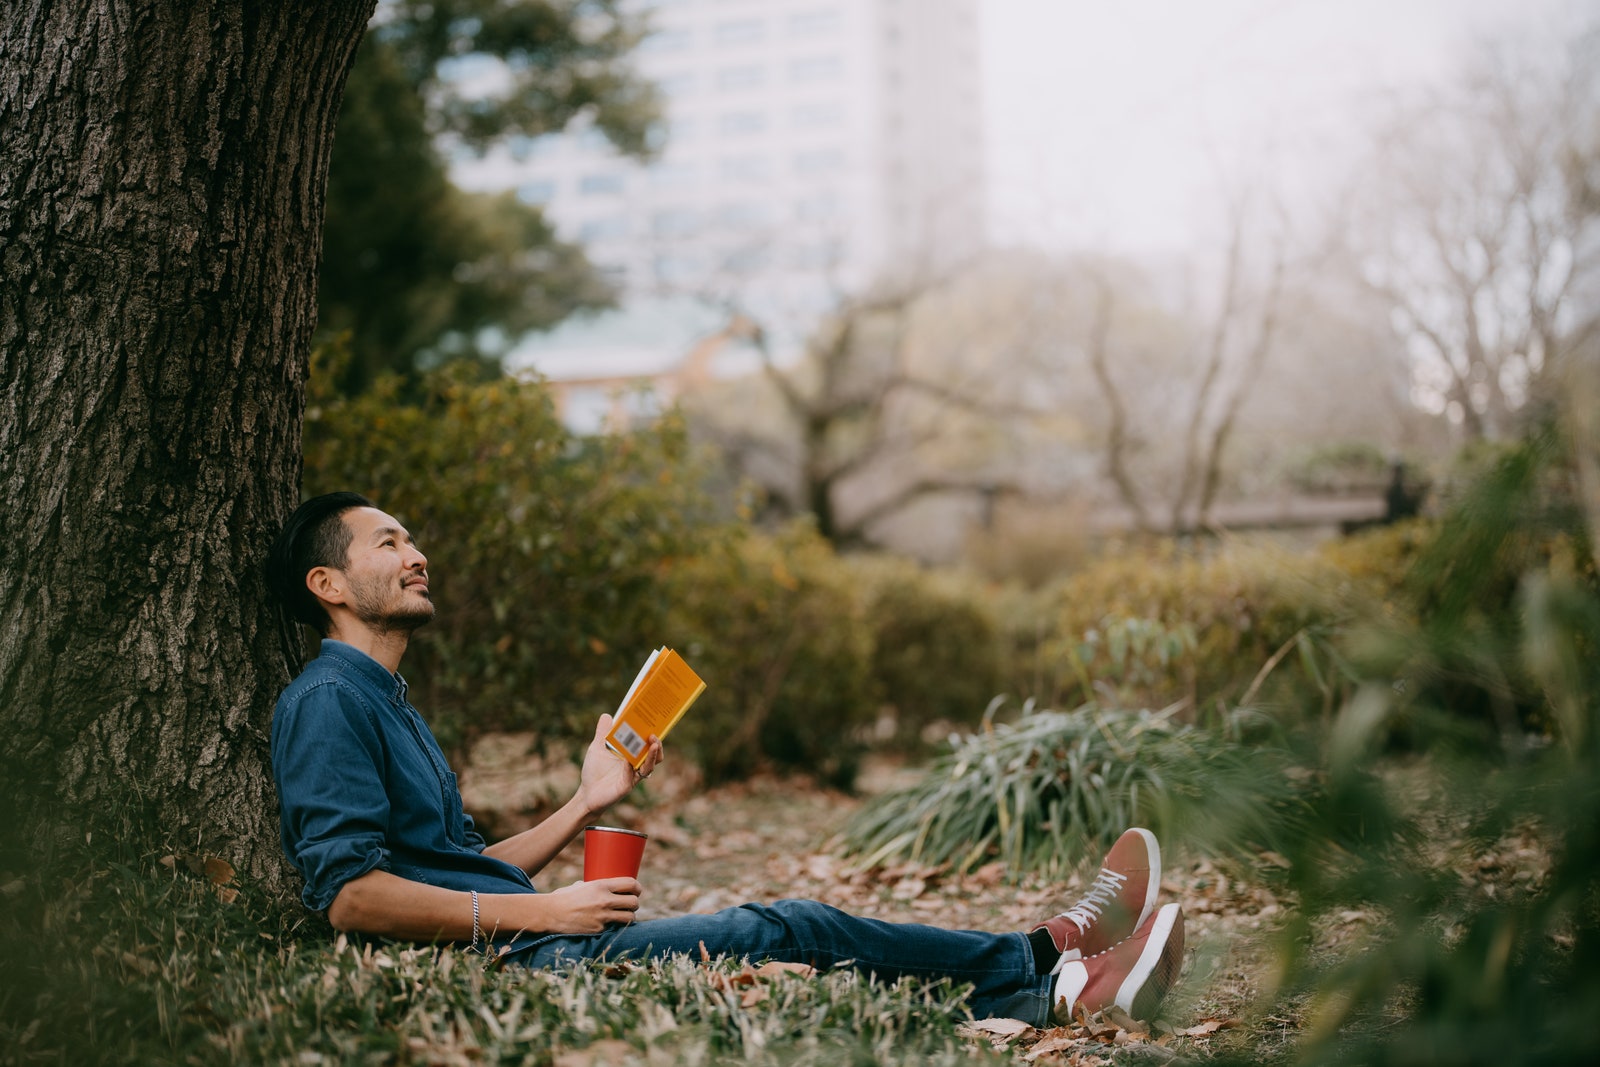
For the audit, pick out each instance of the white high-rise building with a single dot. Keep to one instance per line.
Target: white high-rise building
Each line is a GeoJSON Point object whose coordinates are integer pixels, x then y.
{"type": "Point", "coordinates": [810, 148]}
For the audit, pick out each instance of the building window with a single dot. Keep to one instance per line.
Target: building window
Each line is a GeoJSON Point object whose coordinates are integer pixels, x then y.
{"type": "Point", "coordinates": [818, 208]}
{"type": "Point", "coordinates": [665, 41]}
{"type": "Point", "coordinates": [524, 148]}
{"type": "Point", "coordinates": [817, 116]}
{"type": "Point", "coordinates": [605, 228]}
{"type": "Point", "coordinates": [741, 31]}
{"type": "Point", "coordinates": [747, 260]}
{"type": "Point", "coordinates": [744, 215]}
{"type": "Point", "coordinates": [674, 222]}
{"type": "Point", "coordinates": [815, 23]}
{"type": "Point", "coordinates": [740, 123]}
{"type": "Point", "coordinates": [677, 85]}
{"type": "Point", "coordinates": [610, 184]}
{"type": "Point", "coordinates": [671, 269]}
{"type": "Point", "coordinates": [820, 162]}
{"type": "Point", "coordinates": [672, 175]}
{"type": "Point", "coordinates": [746, 168]}
{"type": "Point", "coordinates": [816, 256]}
{"type": "Point", "coordinates": [733, 78]}
{"type": "Point", "coordinates": [816, 68]}
{"type": "Point", "coordinates": [538, 191]}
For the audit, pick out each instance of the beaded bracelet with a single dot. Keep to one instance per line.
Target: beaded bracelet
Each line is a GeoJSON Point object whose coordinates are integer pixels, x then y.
{"type": "Point", "coordinates": [477, 930]}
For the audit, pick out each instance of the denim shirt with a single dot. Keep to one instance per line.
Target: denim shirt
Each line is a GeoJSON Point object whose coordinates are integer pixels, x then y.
{"type": "Point", "coordinates": [364, 785]}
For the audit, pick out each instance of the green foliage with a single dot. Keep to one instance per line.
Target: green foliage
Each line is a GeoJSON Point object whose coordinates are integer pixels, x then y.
{"type": "Point", "coordinates": [1342, 467]}
{"type": "Point", "coordinates": [1236, 623]}
{"type": "Point", "coordinates": [936, 651]}
{"type": "Point", "coordinates": [551, 550]}
{"type": "Point", "coordinates": [559, 59]}
{"type": "Point", "coordinates": [114, 957]}
{"type": "Point", "coordinates": [416, 271]}
{"type": "Point", "coordinates": [1054, 788]}
{"type": "Point", "coordinates": [1496, 680]}
{"type": "Point", "coordinates": [774, 627]}
{"type": "Point", "coordinates": [1129, 662]}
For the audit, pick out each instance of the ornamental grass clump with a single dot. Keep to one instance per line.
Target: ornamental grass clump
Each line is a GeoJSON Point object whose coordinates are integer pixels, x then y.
{"type": "Point", "coordinates": [1055, 787]}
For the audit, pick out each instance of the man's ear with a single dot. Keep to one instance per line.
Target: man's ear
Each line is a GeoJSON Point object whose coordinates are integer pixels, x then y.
{"type": "Point", "coordinates": [326, 584]}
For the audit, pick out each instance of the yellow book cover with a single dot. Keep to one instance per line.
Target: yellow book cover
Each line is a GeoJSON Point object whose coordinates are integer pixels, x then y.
{"type": "Point", "coordinates": [660, 694]}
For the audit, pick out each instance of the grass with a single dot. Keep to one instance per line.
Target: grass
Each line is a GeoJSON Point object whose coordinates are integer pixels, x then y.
{"type": "Point", "coordinates": [136, 961]}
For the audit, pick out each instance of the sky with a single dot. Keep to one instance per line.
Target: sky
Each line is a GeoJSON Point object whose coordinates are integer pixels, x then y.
{"type": "Point", "coordinates": [1122, 125]}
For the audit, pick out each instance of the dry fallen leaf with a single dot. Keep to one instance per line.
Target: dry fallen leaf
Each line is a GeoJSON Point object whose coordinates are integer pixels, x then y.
{"type": "Point", "coordinates": [220, 871]}
{"type": "Point", "coordinates": [1008, 1029]}
{"type": "Point", "coordinates": [1208, 1026]}
{"type": "Point", "coordinates": [1061, 1041]}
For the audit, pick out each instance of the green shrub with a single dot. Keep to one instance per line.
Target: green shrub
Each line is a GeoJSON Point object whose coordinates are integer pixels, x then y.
{"type": "Point", "coordinates": [936, 653]}
{"type": "Point", "coordinates": [1054, 788]}
{"type": "Point", "coordinates": [1495, 680]}
{"type": "Point", "coordinates": [1343, 467]}
{"type": "Point", "coordinates": [774, 627]}
{"type": "Point", "coordinates": [548, 551]}
{"type": "Point", "coordinates": [1167, 624]}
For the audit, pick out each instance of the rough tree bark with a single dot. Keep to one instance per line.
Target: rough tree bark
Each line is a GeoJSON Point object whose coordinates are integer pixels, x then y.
{"type": "Point", "coordinates": [162, 171]}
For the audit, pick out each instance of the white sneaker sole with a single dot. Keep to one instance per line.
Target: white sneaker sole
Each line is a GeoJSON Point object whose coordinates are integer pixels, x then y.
{"type": "Point", "coordinates": [1156, 970]}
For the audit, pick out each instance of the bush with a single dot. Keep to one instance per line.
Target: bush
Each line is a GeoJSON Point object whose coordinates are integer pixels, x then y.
{"type": "Point", "coordinates": [1054, 788]}
{"type": "Point", "coordinates": [936, 653]}
{"type": "Point", "coordinates": [1496, 681]}
{"type": "Point", "coordinates": [774, 627]}
{"type": "Point", "coordinates": [549, 550]}
{"type": "Point", "coordinates": [1166, 623]}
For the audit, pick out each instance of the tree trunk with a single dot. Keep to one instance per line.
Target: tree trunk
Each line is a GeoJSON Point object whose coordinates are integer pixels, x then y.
{"type": "Point", "coordinates": [162, 171]}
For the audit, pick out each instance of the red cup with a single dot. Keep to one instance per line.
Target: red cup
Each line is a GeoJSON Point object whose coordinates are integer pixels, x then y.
{"type": "Point", "coordinates": [612, 852]}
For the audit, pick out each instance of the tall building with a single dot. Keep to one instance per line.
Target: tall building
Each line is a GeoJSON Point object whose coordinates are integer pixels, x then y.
{"type": "Point", "coordinates": [809, 148]}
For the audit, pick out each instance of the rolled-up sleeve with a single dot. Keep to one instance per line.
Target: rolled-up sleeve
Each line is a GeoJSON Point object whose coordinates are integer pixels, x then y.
{"type": "Point", "coordinates": [328, 760]}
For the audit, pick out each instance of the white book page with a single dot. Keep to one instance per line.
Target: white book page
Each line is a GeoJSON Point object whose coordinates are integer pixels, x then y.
{"type": "Point", "coordinates": [639, 678]}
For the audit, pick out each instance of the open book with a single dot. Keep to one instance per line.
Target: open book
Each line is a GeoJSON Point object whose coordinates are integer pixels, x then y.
{"type": "Point", "coordinates": [655, 702]}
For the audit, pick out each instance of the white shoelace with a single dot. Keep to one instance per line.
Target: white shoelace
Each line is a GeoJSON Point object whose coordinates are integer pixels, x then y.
{"type": "Point", "coordinates": [1107, 884]}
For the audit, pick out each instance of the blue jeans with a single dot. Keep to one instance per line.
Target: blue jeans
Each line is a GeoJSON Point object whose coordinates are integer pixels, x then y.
{"type": "Point", "coordinates": [999, 967]}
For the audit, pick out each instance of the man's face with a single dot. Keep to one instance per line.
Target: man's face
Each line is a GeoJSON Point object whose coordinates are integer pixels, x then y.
{"type": "Point", "coordinates": [386, 574]}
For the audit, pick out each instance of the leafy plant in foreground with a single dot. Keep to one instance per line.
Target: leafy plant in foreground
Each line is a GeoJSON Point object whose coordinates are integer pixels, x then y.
{"type": "Point", "coordinates": [1500, 689]}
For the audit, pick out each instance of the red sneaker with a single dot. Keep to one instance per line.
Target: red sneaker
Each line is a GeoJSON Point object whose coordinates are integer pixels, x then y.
{"type": "Point", "coordinates": [1135, 975]}
{"type": "Point", "coordinates": [1120, 900]}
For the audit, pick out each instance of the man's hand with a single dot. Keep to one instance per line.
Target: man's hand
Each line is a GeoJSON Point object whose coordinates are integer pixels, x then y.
{"type": "Point", "coordinates": [607, 777]}
{"type": "Point", "coordinates": [588, 907]}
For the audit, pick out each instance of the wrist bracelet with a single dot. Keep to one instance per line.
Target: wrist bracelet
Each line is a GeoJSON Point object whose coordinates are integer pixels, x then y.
{"type": "Point", "coordinates": [477, 930]}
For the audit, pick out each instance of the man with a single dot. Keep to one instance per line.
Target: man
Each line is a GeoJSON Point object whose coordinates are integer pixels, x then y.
{"type": "Point", "coordinates": [373, 820]}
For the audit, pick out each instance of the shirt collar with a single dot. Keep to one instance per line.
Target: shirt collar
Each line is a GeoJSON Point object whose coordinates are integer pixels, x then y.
{"type": "Point", "coordinates": [390, 684]}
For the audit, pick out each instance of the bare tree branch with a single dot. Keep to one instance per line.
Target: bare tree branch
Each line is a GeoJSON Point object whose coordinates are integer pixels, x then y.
{"type": "Point", "coordinates": [1117, 435]}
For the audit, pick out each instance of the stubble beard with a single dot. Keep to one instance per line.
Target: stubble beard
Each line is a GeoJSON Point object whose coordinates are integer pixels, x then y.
{"type": "Point", "coordinates": [381, 614]}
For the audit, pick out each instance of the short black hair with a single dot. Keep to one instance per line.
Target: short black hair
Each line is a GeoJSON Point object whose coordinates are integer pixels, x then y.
{"type": "Point", "coordinates": [314, 536]}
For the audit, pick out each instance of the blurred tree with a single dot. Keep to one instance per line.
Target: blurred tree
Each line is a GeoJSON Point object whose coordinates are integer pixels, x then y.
{"type": "Point", "coordinates": [419, 272]}
{"type": "Point", "coordinates": [863, 417]}
{"type": "Point", "coordinates": [1233, 345]}
{"type": "Point", "coordinates": [1473, 224]}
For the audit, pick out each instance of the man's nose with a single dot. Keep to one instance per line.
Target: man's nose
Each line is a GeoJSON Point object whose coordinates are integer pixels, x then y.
{"type": "Point", "coordinates": [415, 560]}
